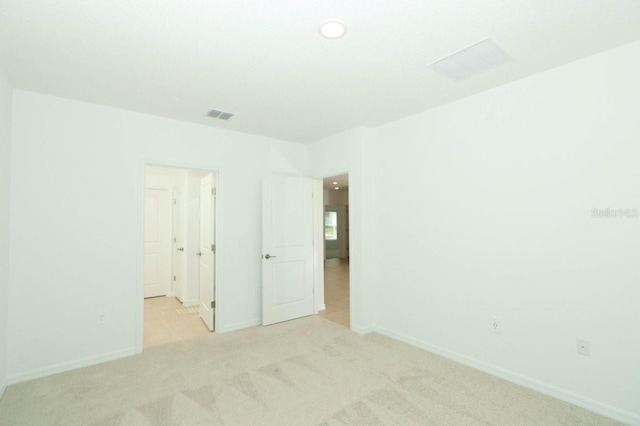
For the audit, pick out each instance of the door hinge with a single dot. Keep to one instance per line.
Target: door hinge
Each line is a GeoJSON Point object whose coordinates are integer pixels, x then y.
{"type": "Point", "coordinates": [213, 248]}
{"type": "Point", "coordinates": [174, 239]}
{"type": "Point", "coordinates": [174, 277]}
{"type": "Point", "coordinates": [213, 304]}
{"type": "Point", "coordinates": [214, 191]}
{"type": "Point", "coordinates": [175, 202]}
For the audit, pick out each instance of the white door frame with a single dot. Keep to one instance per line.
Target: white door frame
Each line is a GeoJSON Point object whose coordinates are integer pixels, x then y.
{"type": "Point", "coordinates": [139, 292]}
{"type": "Point", "coordinates": [175, 207]}
{"type": "Point", "coordinates": [318, 244]}
{"type": "Point", "coordinates": [207, 252]}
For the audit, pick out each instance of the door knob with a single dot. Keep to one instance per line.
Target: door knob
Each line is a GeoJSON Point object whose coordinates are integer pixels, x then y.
{"type": "Point", "coordinates": [199, 253]}
{"type": "Point", "coordinates": [181, 249]}
{"type": "Point", "coordinates": [268, 256]}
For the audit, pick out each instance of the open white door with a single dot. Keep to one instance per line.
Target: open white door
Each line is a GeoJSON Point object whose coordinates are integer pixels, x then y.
{"type": "Point", "coordinates": [179, 257]}
{"type": "Point", "coordinates": [207, 251]}
{"type": "Point", "coordinates": [287, 249]}
{"type": "Point", "coordinates": [157, 242]}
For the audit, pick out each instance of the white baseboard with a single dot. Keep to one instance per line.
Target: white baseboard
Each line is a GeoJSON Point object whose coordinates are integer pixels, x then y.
{"type": "Point", "coordinates": [188, 303]}
{"type": "Point", "coordinates": [3, 387]}
{"type": "Point", "coordinates": [240, 325]}
{"type": "Point", "coordinates": [72, 365]}
{"type": "Point", "coordinates": [364, 330]}
{"type": "Point", "coordinates": [564, 395]}
{"type": "Point", "coordinates": [321, 307]}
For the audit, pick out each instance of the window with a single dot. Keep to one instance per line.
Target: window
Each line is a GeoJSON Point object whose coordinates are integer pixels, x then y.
{"type": "Point", "coordinates": [330, 225]}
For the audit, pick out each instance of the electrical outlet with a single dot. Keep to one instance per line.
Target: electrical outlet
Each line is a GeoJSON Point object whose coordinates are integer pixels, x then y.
{"type": "Point", "coordinates": [496, 325]}
{"type": "Point", "coordinates": [101, 317]}
{"type": "Point", "coordinates": [582, 346]}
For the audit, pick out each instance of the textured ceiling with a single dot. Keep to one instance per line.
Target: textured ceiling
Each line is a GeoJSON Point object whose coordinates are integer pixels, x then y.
{"type": "Point", "coordinates": [265, 62]}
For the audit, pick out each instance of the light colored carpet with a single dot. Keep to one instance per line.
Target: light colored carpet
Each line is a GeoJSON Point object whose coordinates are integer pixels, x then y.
{"type": "Point", "coordinates": [304, 372]}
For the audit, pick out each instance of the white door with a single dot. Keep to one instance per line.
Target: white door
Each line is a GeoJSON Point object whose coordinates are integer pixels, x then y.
{"type": "Point", "coordinates": [207, 251]}
{"type": "Point", "coordinates": [179, 257]}
{"type": "Point", "coordinates": [287, 249]}
{"type": "Point", "coordinates": [157, 242]}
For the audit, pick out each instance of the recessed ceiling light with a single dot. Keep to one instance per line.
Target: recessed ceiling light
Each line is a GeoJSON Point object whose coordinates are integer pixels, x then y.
{"type": "Point", "coordinates": [335, 183]}
{"type": "Point", "coordinates": [337, 187]}
{"type": "Point", "coordinates": [332, 29]}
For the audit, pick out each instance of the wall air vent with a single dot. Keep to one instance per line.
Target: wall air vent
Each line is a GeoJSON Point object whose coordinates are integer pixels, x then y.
{"type": "Point", "coordinates": [220, 115]}
{"type": "Point", "coordinates": [472, 60]}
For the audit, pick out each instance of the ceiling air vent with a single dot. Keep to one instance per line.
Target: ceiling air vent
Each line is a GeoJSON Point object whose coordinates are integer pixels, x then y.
{"type": "Point", "coordinates": [472, 60]}
{"type": "Point", "coordinates": [220, 115]}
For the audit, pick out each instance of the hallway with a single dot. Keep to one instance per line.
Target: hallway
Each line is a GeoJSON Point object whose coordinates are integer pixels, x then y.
{"type": "Point", "coordinates": [336, 291]}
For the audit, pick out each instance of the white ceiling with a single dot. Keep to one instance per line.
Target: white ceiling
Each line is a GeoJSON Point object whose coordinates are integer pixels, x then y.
{"type": "Point", "coordinates": [265, 61]}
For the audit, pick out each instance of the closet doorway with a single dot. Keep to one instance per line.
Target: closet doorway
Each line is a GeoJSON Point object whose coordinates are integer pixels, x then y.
{"type": "Point", "coordinates": [179, 274]}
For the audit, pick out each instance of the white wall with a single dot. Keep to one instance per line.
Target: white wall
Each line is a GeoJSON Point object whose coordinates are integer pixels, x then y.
{"type": "Point", "coordinates": [76, 211]}
{"type": "Point", "coordinates": [5, 179]}
{"type": "Point", "coordinates": [488, 214]}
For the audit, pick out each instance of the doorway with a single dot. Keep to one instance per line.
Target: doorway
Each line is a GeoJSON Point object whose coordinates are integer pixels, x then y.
{"type": "Point", "coordinates": [178, 220]}
{"type": "Point", "coordinates": [337, 294]}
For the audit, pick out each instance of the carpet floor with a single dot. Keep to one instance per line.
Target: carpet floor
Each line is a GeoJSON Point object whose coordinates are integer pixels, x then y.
{"type": "Point", "coordinates": [305, 372]}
